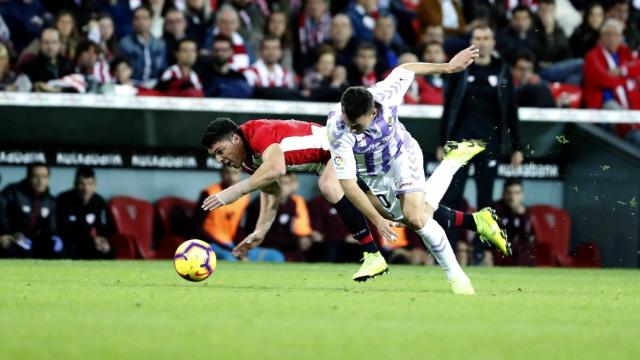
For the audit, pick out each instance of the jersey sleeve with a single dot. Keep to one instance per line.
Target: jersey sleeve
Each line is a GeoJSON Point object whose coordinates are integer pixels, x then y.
{"type": "Point", "coordinates": [341, 146]}
{"type": "Point", "coordinates": [391, 90]}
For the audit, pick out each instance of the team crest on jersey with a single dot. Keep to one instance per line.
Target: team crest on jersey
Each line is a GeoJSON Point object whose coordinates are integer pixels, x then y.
{"type": "Point", "coordinates": [389, 120]}
{"type": "Point", "coordinates": [338, 161]}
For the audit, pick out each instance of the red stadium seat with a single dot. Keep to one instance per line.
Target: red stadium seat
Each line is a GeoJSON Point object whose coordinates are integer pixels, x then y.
{"type": "Point", "coordinates": [175, 216]}
{"type": "Point", "coordinates": [574, 92]}
{"type": "Point", "coordinates": [133, 218]}
{"type": "Point", "coordinates": [553, 231]}
{"type": "Point", "coordinates": [587, 255]}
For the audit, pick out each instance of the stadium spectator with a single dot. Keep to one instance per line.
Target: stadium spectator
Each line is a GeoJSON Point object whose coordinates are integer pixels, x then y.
{"type": "Point", "coordinates": [610, 71]}
{"type": "Point", "coordinates": [175, 29]}
{"type": "Point", "coordinates": [222, 227]}
{"type": "Point", "coordinates": [619, 10]}
{"type": "Point", "coordinates": [25, 19]}
{"type": "Point", "coordinates": [276, 25]}
{"type": "Point", "coordinates": [83, 11]}
{"type": "Point", "coordinates": [180, 79]}
{"type": "Point", "coordinates": [531, 91]}
{"type": "Point", "coordinates": [122, 15]}
{"type": "Point", "coordinates": [586, 36]}
{"type": "Point", "coordinates": [108, 43]}
{"type": "Point", "coordinates": [330, 233]}
{"type": "Point", "coordinates": [122, 72]}
{"type": "Point", "coordinates": [313, 28]}
{"type": "Point", "coordinates": [252, 21]}
{"type": "Point", "coordinates": [199, 20]}
{"type": "Point", "coordinates": [426, 89]}
{"type": "Point", "coordinates": [227, 24]}
{"type": "Point", "coordinates": [485, 12]}
{"type": "Point", "coordinates": [363, 72]}
{"type": "Point", "coordinates": [30, 214]}
{"type": "Point", "coordinates": [69, 38]}
{"type": "Point", "coordinates": [480, 103]}
{"type": "Point", "coordinates": [325, 81]}
{"type": "Point", "coordinates": [82, 219]}
{"type": "Point", "coordinates": [267, 76]}
{"type": "Point", "coordinates": [220, 79]}
{"type": "Point", "coordinates": [363, 14]}
{"type": "Point", "coordinates": [145, 53]}
{"type": "Point", "coordinates": [95, 71]}
{"type": "Point", "coordinates": [342, 40]}
{"type": "Point", "coordinates": [556, 64]}
{"type": "Point", "coordinates": [519, 35]}
{"type": "Point", "coordinates": [9, 80]}
{"type": "Point", "coordinates": [389, 44]}
{"type": "Point", "coordinates": [48, 64]}
{"type": "Point", "coordinates": [516, 219]}
{"type": "Point", "coordinates": [291, 230]}
{"type": "Point", "coordinates": [407, 249]}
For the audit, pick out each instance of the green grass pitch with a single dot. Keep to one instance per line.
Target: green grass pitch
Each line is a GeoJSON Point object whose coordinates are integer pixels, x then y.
{"type": "Point", "coordinates": [143, 310]}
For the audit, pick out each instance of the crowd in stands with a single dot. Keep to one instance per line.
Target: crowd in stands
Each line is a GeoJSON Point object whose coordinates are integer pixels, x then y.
{"type": "Point", "coordinates": [81, 224]}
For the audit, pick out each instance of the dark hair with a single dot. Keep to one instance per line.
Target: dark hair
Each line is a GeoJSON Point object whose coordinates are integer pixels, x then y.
{"type": "Point", "coordinates": [526, 55]}
{"type": "Point", "coordinates": [142, 7]}
{"type": "Point", "coordinates": [32, 166]}
{"type": "Point", "coordinates": [521, 8]}
{"type": "Point", "coordinates": [608, 5]}
{"type": "Point", "coordinates": [217, 130]}
{"type": "Point", "coordinates": [49, 28]}
{"type": "Point", "coordinates": [366, 46]}
{"type": "Point", "coordinates": [356, 101]}
{"type": "Point", "coordinates": [548, 2]}
{"type": "Point", "coordinates": [117, 61]}
{"type": "Point", "coordinates": [270, 38]}
{"type": "Point", "coordinates": [483, 27]}
{"type": "Point", "coordinates": [185, 40]}
{"type": "Point", "coordinates": [285, 39]}
{"type": "Point", "coordinates": [85, 45]}
{"type": "Point", "coordinates": [511, 181]}
{"type": "Point", "coordinates": [85, 172]}
{"type": "Point", "coordinates": [224, 38]}
{"type": "Point", "coordinates": [321, 50]}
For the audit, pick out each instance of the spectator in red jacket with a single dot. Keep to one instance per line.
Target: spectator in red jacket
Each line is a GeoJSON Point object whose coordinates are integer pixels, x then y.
{"type": "Point", "coordinates": [611, 71]}
{"type": "Point", "coordinates": [180, 79]}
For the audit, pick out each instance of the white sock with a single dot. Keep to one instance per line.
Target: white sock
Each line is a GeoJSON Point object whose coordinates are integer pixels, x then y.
{"type": "Point", "coordinates": [435, 239]}
{"type": "Point", "coordinates": [439, 181]}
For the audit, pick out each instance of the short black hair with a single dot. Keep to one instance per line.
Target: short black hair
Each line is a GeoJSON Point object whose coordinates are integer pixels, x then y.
{"type": "Point", "coordinates": [526, 55]}
{"type": "Point", "coordinates": [185, 40]}
{"type": "Point", "coordinates": [270, 38]}
{"type": "Point", "coordinates": [224, 38]}
{"type": "Point", "coordinates": [143, 7]}
{"type": "Point", "coordinates": [85, 45]}
{"type": "Point", "coordinates": [366, 46]}
{"type": "Point", "coordinates": [117, 61]}
{"type": "Point", "coordinates": [85, 172]}
{"type": "Point", "coordinates": [217, 130]}
{"type": "Point", "coordinates": [511, 181]}
{"type": "Point", "coordinates": [521, 8]}
{"type": "Point", "coordinates": [356, 101]}
{"type": "Point", "coordinates": [33, 165]}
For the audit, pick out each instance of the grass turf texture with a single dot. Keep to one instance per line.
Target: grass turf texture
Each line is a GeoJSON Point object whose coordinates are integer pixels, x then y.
{"type": "Point", "coordinates": [136, 310]}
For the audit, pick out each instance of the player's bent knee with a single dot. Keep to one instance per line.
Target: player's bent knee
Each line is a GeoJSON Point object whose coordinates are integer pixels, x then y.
{"type": "Point", "coordinates": [330, 190]}
{"type": "Point", "coordinates": [415, 221]}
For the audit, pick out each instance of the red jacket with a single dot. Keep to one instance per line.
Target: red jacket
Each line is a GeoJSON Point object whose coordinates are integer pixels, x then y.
{"type": "Point", "coordinates": [597, 77]}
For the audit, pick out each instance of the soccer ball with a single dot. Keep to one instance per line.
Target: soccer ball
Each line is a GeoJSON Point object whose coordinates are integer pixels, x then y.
{"type": "Point", "coordinates": [194, 260]}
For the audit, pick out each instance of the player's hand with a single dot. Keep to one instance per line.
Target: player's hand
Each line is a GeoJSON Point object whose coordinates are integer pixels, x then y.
{"type": "Point", "coordinates": [6, 240]}
{"type": "Point", "coordinates": [212, 202]}
{"type": "Point", "coordinates": [385, 227]}
{"type": "Point", "coordinates": [463, 59]}
{"type": "Point", "coordinates": [101, 244]}
{"type": "Point", "coordinates": [516, 159]}
{"type": "Point", "coordinates": [252, 241]}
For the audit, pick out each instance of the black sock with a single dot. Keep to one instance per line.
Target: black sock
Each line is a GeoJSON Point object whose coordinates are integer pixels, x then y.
{"type": "Point", "coordinates": [356, 223]}
{"type": "Point", "coordinates": [448, 219]}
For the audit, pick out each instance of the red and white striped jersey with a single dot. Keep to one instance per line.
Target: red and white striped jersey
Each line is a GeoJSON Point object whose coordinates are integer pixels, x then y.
{"type": "Point", "coordinates": [258, 75]}
{"type": "Point", "coordinates": [305, 145]}
{"type": "Point", "coordinates": [174, 73]}
{"type": "Point", "coordinates": [101, 72]}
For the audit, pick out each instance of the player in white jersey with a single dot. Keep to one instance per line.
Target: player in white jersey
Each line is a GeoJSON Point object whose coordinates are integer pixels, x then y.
{"type": "Point", "coordinates": [368, 141]}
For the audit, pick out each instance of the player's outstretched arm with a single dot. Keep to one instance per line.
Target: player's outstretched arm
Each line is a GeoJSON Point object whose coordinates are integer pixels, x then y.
{"type": "Point", "coordinates": [362, 203]}
{"type": "Point", "coordinates": [458, 63]}
{"type": "Point", "coordinates": [269, 203]}
{"type": "Point", "coordinates": [273, 166]}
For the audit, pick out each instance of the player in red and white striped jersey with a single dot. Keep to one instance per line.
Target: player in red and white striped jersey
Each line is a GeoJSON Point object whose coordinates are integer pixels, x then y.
{"type": "Point", "coordinates": [269, 149]}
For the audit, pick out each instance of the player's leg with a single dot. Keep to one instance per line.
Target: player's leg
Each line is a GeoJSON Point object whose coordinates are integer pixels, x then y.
{"type": "Point", "coordinates": [374, 263]}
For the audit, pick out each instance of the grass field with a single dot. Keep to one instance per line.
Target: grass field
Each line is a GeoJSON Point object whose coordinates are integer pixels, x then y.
{"type": "Point", "coordinates": [141, 310]}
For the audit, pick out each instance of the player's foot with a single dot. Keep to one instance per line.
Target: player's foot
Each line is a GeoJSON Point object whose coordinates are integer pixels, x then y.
{"type": "Point", "coordinates": [489, 230]}
{"type": "Point", "coordinates": [373, 265]}
{"type": "Point", "coordinates": [463, 151]}
{"type": "Point", "coordinates": [461, 285]}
